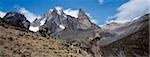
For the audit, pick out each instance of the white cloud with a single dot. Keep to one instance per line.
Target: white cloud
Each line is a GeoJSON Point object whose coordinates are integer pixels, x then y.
{"type": "Point", "coordinates": [131, 9]}
{"type": "Point", "coordinates": [2, 14]}
{"type": "Point", "coordinates": [29, 15]}
{"type": "Point", "coordinates": [101, 1]}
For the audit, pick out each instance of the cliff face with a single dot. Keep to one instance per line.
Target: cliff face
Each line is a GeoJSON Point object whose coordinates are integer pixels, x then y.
{"type": "Point", "coordinates": [133, 42]}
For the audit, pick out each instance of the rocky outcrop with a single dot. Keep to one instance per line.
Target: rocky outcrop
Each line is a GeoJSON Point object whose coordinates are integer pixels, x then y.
{"type": "Point", "coordinates": [54, 21]}
{"type": "Point", "coordinates": [16, 19]}
{"type": "Point", "coordinates": [84, 21]}
{"type": "Point", "coordinates": [132, 42]}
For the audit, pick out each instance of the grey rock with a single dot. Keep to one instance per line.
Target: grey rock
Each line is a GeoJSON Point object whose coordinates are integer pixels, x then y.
{"type": "Point", "coordinates": [16, 19]}
{"type": "Point", "coordinates": [84, 21]}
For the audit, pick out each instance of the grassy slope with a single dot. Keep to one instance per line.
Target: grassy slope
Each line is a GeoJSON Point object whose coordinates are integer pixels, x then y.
{"type": "Point", "coordinates": [17, 43]}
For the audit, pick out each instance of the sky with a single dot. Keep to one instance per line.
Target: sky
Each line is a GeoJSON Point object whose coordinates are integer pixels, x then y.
{"type": "Point", "coordinates": [99, 11]}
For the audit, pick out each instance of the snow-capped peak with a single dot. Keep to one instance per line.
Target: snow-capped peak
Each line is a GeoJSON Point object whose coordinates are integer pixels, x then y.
{"type": "Point", "coordinates": [59, 10]}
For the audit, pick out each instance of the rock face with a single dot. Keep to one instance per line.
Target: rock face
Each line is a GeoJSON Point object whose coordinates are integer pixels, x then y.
{"type": "Point", "coordinates": [54, 20]}
{"type": "Point", "coordinates": [16, 19]}
{"type": "Point", "coordinates": [132, 42]}
{"type": "Point", "coordinates": [84, 21]}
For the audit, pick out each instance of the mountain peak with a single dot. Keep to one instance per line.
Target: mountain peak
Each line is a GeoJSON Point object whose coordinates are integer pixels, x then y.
{"type": "Point", "coordinates": [58, 10]}
{"type": "Point", "coordinates": [62, 12]}
{"type": "Point", "coordinates": [54, 11]}
{"type": "Point", "coordinates": [84, 19]}
{"type": "Point", "coordinates": [81, 13]}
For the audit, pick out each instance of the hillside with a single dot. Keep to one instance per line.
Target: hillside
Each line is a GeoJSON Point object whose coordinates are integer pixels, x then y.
{"type": "Point", "coordinates": [15, 42]}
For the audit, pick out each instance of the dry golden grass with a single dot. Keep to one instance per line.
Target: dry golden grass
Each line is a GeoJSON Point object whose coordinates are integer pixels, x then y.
{"type": "Point", "coordinates": [17, 43]}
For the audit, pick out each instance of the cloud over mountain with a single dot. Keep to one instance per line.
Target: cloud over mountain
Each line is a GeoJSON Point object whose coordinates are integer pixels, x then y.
{"type": "Point", "coordinates": [130, 10]}
{"type": "Point", "coordinates": [29, 15]}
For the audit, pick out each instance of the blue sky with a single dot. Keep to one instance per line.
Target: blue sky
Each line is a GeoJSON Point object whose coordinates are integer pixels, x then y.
{"type": "Point", "coordinates": [99, 10]}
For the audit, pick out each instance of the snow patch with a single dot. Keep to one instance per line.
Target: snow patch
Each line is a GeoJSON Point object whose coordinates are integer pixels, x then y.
{"type": "Point", "coordinates": [136, 18]}
{"type": "Point", "coordinates": [62, 27]}
{"type": "Point", "coordinates": [59, 10]}
{"type": "Point", "coordinates": [34, 29]}
{"type": "Point", "coordinates": [2, 14]}
{"type": "Point", "coordinates": [42, 21]}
